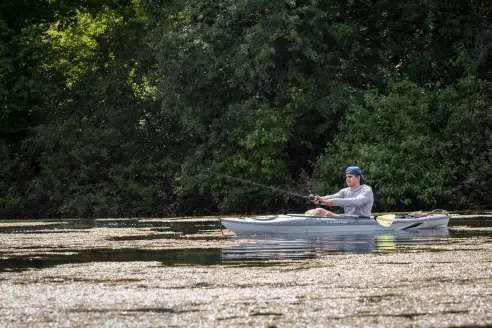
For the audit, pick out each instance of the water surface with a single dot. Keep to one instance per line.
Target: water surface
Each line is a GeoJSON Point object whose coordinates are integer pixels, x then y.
{"type": "Point", "coordinates": [188, 273]}
{"type": "Point", "coordinates": [201, 241]}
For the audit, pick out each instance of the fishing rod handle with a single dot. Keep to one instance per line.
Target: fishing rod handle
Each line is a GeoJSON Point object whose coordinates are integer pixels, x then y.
{"type": "Point", "coordinates": [315, 199]}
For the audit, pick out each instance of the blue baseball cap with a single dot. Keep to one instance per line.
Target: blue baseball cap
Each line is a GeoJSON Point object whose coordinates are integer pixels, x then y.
{"type": "Point", "coordinates": [355, 170]}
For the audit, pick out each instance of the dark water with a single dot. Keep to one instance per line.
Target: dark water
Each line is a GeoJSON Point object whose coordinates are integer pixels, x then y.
{"type": "Point", "coordinates": [257, 250]}
{"type": "Point", "coordinates": [183, 226]}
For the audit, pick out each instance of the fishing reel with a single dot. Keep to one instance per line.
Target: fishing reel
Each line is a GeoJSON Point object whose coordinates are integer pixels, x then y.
{"type": "Point", "coordinates": [313, 198]}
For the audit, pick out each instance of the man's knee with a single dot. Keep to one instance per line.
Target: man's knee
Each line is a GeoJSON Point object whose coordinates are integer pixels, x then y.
{"type": "Point", "coordinates": [320, 212]}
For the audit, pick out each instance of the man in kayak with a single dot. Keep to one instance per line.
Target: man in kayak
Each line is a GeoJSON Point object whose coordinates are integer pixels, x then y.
{"type": "Point", "coordinates": [356, 199]}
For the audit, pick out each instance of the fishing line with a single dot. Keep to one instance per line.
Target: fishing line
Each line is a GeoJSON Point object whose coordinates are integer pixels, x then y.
{"type": "Point", "coordinates": [251, 182]}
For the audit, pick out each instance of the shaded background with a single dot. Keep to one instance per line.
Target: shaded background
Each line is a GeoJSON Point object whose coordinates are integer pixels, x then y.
{"type": "Point", "coordinates": [125, 108]}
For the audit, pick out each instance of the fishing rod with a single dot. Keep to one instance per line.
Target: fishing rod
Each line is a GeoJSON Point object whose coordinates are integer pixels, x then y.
{"type": "Point", "coordinates": [311, 197]}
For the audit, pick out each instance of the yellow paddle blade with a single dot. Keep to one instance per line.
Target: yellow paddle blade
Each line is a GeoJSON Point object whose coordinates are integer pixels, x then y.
{"type": "Point", "coordinates": [386, 220]}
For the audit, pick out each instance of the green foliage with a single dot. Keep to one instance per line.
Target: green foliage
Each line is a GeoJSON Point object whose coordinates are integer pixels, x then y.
{"type": "Point", "coordinates": [22, 87]}
{"type": "Point", "coordinates": [11, 198]}
{"type": "Point", "coordinates": [467, 139]}
{"type": "Point", "coordinates": [389, 137]}
{"type": "Point", "coordinates": [29, 80]}
{"type": "Point", "coordinates": [418, 147]}
{"type": "Point", "coordinates": [100, 146]}
{"type": "Point", "coordinates": [104, 153]}
{"type": "Point", "coordinates": [252, 91]}
{"type": "Point", "coordinates": [148, 107]}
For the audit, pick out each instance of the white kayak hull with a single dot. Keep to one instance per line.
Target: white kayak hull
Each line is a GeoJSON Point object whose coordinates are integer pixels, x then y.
{"type": "Point", "coordinates": [300, 223]}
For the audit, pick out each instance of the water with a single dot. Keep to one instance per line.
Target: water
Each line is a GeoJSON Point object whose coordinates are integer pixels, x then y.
{"type": "Point", "coordinates": [201, 242]}
{"type": "Point", "coordinates": [188, 273]}
{"type": "Point", "coordinates": [265, 248]}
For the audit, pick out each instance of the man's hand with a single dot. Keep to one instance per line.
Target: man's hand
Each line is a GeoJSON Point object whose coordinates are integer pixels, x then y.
{"type": "Point", "coordinates": [320, 201]}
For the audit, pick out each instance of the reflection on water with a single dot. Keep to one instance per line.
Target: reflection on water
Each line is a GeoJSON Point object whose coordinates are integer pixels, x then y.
{"type": "Point", "coordinates": [301, 247]}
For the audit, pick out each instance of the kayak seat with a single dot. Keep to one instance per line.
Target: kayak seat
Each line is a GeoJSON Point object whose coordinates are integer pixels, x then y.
{"type": "Point", "coordinates": [265, 218]}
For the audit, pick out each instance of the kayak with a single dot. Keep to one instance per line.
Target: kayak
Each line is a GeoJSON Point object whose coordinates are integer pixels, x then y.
{"type": "Point", "coordinates": [303, 223]}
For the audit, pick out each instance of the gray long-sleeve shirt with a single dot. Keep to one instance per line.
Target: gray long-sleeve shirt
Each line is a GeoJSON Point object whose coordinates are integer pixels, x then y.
{"type": "Point", "coordinates": [354, 202]}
